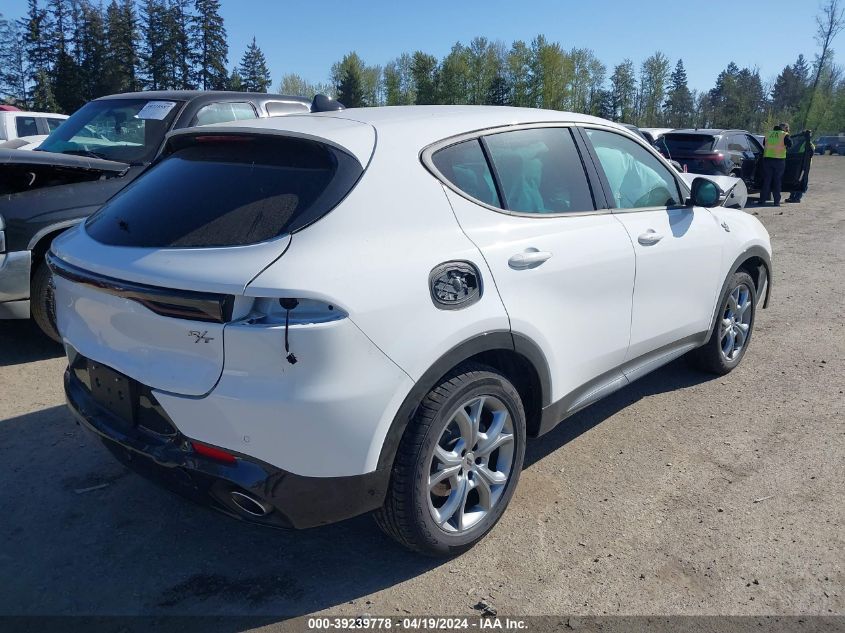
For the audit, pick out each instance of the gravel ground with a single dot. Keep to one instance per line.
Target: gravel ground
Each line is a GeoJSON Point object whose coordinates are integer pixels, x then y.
{"type": "Point", "coordinates": [682, 494]}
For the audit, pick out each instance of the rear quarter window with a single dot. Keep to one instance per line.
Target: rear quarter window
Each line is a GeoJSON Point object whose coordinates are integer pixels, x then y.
{"type": "Point", "coordinates": [227, 191]}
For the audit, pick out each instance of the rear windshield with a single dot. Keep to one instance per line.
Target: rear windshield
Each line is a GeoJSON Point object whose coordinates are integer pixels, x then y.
{"type": "Point", "coordinates": [227, 191]}
{"type": "Point", "coordinates": [684, 143]}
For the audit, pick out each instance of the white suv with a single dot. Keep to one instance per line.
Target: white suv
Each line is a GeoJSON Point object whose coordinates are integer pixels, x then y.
{"type": "Point", "coordinates": [302, 319]}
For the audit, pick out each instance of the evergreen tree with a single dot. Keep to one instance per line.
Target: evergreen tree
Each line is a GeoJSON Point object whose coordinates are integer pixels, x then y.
{"type": "Point", "coordinates": [208, 40]}
{"type": "Point", "coordinates": [43, 99]}
{"type": "Point", "coordinates": [14, 80]}
{"type": "Point", "coordinates": [90, 51]}
{"type": "Point", "coordinates": [235, 81]}
{"type": "Point", "coordinates": [349, 91]}
{"type": "Point", "coordinates": [518, 68]}
{"type": "Point", "coordinates": [181, 58]}
{"type": "Point", "coordinates": [255, 75]}
{"type": "Point", "coordinates": [499, 92]}
{"type": "Point", "coordinates": [153, 52]}
{"type": "Point", "coordinates": [623, 90]}
{"type": "Point", "coordinates": [679, 106]}
{"type": "Point", "coordinates": [121, 48]}
{"type": "Point", "coordinates": [38, 48]}
{"type": "Point", "coordinates": [425, 71]}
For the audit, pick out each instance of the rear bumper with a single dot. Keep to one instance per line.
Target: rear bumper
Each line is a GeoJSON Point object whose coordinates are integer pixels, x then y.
{"type": "Point", "coordinates": [295, 501]}
{"type": "Point", "coordinates": [14, 284]}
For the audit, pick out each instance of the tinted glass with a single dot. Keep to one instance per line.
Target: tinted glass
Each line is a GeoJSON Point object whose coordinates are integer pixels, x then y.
{"type": "Point", "coordinates": [225, 112]}
{"type": "Point", "coordinates": [52, 124]}
{"type": "Point", "coordinates": [465, 167]}
{"type": "Point", "coordinates": [540, 171]}
{"type": "Point", "coordinates": [636, 177]}
{"type": "Point", "coordinates": [227, 192]}
{"type": "Point", "coordinates": [26, 126]}
{"type": "Point", "coordinates": [685, 143]}
{"type": "Point", "coordinates": [737, 143]}
{"type": "Point", "coordinates": [124, 130]}
{"type": "Point", "coordinates": [753, 144]}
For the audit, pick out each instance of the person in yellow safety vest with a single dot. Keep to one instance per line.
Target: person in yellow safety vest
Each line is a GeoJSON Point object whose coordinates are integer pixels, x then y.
{"type": "Point", "coordinates": [807, 149]}
{"type": "Point", "coordinates": [774, 162]}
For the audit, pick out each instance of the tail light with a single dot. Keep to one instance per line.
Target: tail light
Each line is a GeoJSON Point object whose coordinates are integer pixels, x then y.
{"type": "Point", "coordinates": [217, 454]}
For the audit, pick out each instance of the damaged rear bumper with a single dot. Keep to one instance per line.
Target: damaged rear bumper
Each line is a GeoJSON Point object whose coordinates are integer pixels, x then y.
{"type": "Point", "coordinates": [168, 458]}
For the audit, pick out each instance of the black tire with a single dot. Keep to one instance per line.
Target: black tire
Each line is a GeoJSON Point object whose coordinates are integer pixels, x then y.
{"type": "Point", "coordinates": [42, 301]}
{"type": "Point", "coordinates": [406, 516]}
{"type": "Point", "coordinates": [710, 357]}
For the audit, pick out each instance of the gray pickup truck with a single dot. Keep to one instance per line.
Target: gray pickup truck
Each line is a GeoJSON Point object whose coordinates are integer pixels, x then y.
{"type": "Point", "coordinates": [94, 154]}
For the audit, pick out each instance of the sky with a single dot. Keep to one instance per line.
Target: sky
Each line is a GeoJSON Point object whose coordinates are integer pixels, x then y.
{"type": "Point", "coordinates": [307, 37]}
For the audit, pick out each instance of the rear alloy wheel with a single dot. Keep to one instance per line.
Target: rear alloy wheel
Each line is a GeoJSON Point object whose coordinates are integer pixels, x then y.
{"type": "Point", "coordinates": [732, 330]}
{"type": "Point", "coordinates": [42, 301]}
{"type": "Point", "coordinates": [457, 464]}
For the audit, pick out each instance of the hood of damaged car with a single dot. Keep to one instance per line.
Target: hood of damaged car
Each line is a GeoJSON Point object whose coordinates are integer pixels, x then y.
{"type": "Point", "coordinates": [22, 171]}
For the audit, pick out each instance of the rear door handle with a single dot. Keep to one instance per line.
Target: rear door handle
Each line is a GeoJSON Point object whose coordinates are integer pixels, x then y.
{"type": "Point", "coordinates": [529, 258]}
{"type": "Point", "coordinates": [649, 238]}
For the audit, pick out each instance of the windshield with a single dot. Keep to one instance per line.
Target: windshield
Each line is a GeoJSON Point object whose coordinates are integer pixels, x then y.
{"type": "Point", "coordinates": [125, 130]}
{"type": "Point", "coordinates": [686, 143]}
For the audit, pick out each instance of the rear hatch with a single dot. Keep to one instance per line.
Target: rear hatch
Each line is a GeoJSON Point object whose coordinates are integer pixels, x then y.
{"type": "Point", "coordinates": [147, 285]}
{"type": "Point", "coordinates": [695, 152]}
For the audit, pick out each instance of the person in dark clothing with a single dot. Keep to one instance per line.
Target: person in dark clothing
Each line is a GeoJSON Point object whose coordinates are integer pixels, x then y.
{"type": "Point", "coordinates": [808, 150]}
{"type": "Point", "coordinates": [774, 162]}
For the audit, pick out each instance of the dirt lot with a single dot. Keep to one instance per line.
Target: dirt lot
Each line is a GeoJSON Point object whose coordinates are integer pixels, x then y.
{"type": "Point", "coordinates": [683, 494]}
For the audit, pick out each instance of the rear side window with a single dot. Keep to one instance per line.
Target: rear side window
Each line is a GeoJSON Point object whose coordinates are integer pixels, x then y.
{"type": "Point", "coordinates": [540, 171]}
{"type": "Point", "coordinates": [26, 126]}
{"type": "Point", "coordinates": [52, 124]}
{"type": "Point", "coordinates": [464, 165]}
{"type": "Point", "coordinates": [227, 191]}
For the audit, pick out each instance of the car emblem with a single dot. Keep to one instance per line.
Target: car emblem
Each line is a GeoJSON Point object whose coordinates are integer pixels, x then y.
{"type": "Point", "coordinates": [200, 336]}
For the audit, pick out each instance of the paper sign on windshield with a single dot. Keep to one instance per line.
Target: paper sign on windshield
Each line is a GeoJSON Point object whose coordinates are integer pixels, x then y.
{"type": "Point", "coordinates": [156, 110]}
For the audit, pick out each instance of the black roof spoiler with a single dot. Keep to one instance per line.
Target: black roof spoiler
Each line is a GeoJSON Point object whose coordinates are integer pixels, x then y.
{"type": "Point", "coordinates": [322, 103]}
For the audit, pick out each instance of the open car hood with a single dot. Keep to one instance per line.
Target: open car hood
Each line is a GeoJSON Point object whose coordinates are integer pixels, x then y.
{"type": "Point", "coordinates": [23, 171]}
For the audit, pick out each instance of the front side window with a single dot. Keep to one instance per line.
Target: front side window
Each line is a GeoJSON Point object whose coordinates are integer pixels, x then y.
{"type": "Point", "coordinates": [637, 179]}
{"type": "Point", "coordinates": [465, 166]}
{"type": "Point", "coordinates": [26, 126]}
{"type": "Point", "coordinates": [540, 171]}
{"type": "Point", "coordinates": [215, 191]}
{"type": "Point", "coordinates": [52, 124]}
{"type": "Point", "coordinates": [225, 112]}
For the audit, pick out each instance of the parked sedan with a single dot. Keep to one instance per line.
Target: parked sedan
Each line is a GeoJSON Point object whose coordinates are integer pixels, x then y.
{"type": "Point", "coordinates": [94, 154]}
{"type": "Point", "coordinates": [295, 324]}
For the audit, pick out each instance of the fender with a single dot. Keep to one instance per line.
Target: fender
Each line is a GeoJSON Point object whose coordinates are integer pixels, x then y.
{"type": "Point", "coordinates": [753, 251]}
{"type": "Point", "coordinates": [485, 342]}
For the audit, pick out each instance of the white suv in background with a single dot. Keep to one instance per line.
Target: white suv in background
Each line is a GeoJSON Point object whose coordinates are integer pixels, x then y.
{"type": "Point", "coordinates": [16, 124]}
{"type": "Point", "coordinates": [302, 319]}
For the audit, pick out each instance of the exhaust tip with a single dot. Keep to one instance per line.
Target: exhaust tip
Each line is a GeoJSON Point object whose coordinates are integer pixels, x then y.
{"type": "Point", "coordinates": [248, 504]}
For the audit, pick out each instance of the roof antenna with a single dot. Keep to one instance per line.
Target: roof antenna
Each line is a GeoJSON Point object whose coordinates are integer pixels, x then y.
{"type": "Point", "coordinates": [322, 103]}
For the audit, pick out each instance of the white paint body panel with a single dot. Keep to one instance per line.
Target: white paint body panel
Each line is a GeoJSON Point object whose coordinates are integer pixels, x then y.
{"type": "Point", "coordinates": [576, 305]}
{"type": "Point", "coordinates": [153, 349]}
{"type": "Point", "coordinates": [676, 277]}
{"type": "Point", "coordinates": [328, 414]}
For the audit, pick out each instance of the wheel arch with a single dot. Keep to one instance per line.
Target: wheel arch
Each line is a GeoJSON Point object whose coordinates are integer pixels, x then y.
{"type": "Point", "coordinates": [756, 261]}
{"type": "Point", "coordinates": [517, 357]}
{"type": "Point", "coordinates": [40, 242]}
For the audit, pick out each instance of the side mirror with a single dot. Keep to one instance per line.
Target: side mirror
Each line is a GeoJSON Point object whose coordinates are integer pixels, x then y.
{"type": "Point", "coordinates": [705, 193]}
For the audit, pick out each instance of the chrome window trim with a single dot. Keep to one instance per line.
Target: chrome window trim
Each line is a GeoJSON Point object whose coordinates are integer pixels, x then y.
{"type": "Point", "coordinates": [427, 153]}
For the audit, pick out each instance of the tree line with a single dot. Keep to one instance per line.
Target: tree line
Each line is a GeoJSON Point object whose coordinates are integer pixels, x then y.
{"type": "Point", "coordinates": [62, 53]}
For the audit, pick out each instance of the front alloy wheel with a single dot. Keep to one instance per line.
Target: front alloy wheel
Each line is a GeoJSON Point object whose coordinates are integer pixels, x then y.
{"type": "Point", "coordinates": [457, 464]}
